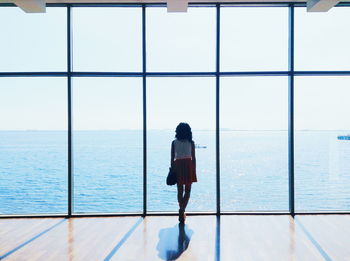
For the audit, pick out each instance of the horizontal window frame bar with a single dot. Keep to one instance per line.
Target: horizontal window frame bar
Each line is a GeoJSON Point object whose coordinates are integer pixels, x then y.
{"type": "Point", "coordinates": [321, 73]}
{"type": "Point", "coordinates": [223, 213]}
{"type": "Point", "coordinates": [34, 74]}
{"type": "Point", "coordinates": [174, 74]}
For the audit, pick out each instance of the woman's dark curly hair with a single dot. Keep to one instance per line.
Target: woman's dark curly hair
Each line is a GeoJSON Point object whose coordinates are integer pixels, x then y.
{"type": "Point", "coordinates": [183, 132]}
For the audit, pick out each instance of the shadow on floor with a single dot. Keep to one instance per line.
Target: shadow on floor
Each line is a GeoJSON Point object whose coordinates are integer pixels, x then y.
{"type": "Point", "coordinates": [173, 241]}
{"type": "Point", "coordinates": [32, 239]}
{"type": "Point", "coordinates": [122, 241]}
{"type": "Point", "coordinates": [217, 239]}
{"type": "Point", "coordinates": [313, 240]}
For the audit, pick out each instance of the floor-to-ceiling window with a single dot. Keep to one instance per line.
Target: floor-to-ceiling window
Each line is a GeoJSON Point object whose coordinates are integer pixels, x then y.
{"type": "Point", "coordinates": [107, 112]}
{"type": "Point", "coordinates": [254, 109]}
{"type": "Point", "coordinates": [33, 129]}
{"type": "Point", "coordinates": [321, 111]}
{"type": "Point", "coordinates": [137, 71]}
{"type": "Point", "coordinates": [180, 43]}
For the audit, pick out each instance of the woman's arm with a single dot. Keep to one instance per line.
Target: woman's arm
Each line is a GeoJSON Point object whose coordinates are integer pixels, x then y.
{"type": "Point", "coordinates": [194, 155]}
{"type": "Point", "coordinates": [172, 154]}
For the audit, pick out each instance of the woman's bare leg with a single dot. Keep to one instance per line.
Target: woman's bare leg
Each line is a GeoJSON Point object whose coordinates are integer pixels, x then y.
{"type": "Point", "coordinates": [186, 196]}
{"type": "Point", "coordinates": [180, 197]}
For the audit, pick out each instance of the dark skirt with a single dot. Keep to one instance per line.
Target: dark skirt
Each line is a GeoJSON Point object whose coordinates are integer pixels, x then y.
{"type": "Point", "coordinates": [185, 171]}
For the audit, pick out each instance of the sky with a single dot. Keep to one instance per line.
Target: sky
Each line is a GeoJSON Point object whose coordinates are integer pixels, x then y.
{"type": "Point", "coordinates": [109, 39]}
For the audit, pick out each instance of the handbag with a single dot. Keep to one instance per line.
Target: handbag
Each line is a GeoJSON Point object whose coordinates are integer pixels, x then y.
{"type": "Point", "coordinates": [171, 179]}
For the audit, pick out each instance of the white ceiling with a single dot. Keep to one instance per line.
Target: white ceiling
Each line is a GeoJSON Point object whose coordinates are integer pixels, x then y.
{"type": "Point", "coordinates": [164, 1]}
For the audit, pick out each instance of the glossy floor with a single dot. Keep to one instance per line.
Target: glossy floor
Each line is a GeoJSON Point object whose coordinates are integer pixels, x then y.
{"type": "Point", "coordinates": [307, 237]}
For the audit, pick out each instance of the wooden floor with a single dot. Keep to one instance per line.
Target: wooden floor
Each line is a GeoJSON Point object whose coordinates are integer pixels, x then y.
{"type": "Point", "coordinates": [313, 237]}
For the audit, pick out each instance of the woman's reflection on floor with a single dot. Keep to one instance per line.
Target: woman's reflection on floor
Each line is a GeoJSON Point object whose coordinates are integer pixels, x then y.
{"type": "Point", "coordinates": [173, 241]}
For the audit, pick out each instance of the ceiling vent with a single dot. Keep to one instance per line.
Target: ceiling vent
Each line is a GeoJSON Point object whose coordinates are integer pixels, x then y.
{"type": "Point", "coordinates": [177, 6]}
{"type": "Point", "coordinates": [320, 5]}
{"type": "Point", "coordinates": [32, 6]}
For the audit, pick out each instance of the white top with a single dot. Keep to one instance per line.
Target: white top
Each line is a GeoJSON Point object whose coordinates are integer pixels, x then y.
{"type": "Point", "coordinates": [182, 149]}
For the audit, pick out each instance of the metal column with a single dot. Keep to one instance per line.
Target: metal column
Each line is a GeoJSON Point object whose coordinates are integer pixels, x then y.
{"type": "Point", "coordinates": [218, 211]}
{"type": "Point", "coordinates": [69, 103]}
{"type": "Point", "coordinates": [144, 110]}
{"type": "Point", "coordinates": [291, 112]}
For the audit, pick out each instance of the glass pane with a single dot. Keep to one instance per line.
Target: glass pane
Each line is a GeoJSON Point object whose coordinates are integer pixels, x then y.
{"type": "Point", "coordinates": [33, 42]}
{"type": "Point", "coordinates": [254, 39]}
{"type": "Point", "coordinates": [33, 145]}
{"type": "Point", "coordinates": [171, 101]}
{"type": "Point", "coordinates": [322, 145]}
{"type": "Point", "coordinates": [181, 41]}
{"type": "Point", "coordinates": [321, 41]}
{"type": "Point", "coordinates": [254, 143]}
{"type": "Point", "coordinates": [107, 39]}
{"type": "Point", "coordinates": [107, 145]}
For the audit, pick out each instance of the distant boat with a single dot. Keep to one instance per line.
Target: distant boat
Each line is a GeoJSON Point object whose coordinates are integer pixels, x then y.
{"type": "Point", "coordinates": [344, 137]}
{"type": "Point", "coordinates": [200, 146]}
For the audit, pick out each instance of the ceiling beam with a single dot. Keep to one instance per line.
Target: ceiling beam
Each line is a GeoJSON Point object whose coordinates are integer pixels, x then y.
{"type": "Point", "coordinates": [177, 6]}
{"type": "Point", "coordinates": [321, 5]}
{"type": "Point", "coordinates": [32, 6]}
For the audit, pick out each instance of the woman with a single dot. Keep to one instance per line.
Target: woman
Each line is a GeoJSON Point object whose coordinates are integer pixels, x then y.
{"type": "Point", "coordinates": [183, 163]}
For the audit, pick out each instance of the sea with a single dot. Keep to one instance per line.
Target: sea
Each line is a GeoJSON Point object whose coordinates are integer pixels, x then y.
{"type": "Point", "coordinates": [108, 171]}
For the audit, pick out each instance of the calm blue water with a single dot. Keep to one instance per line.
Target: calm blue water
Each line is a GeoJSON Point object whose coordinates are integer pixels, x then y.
{"type": "Point", "coordinates": [108, 171]}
